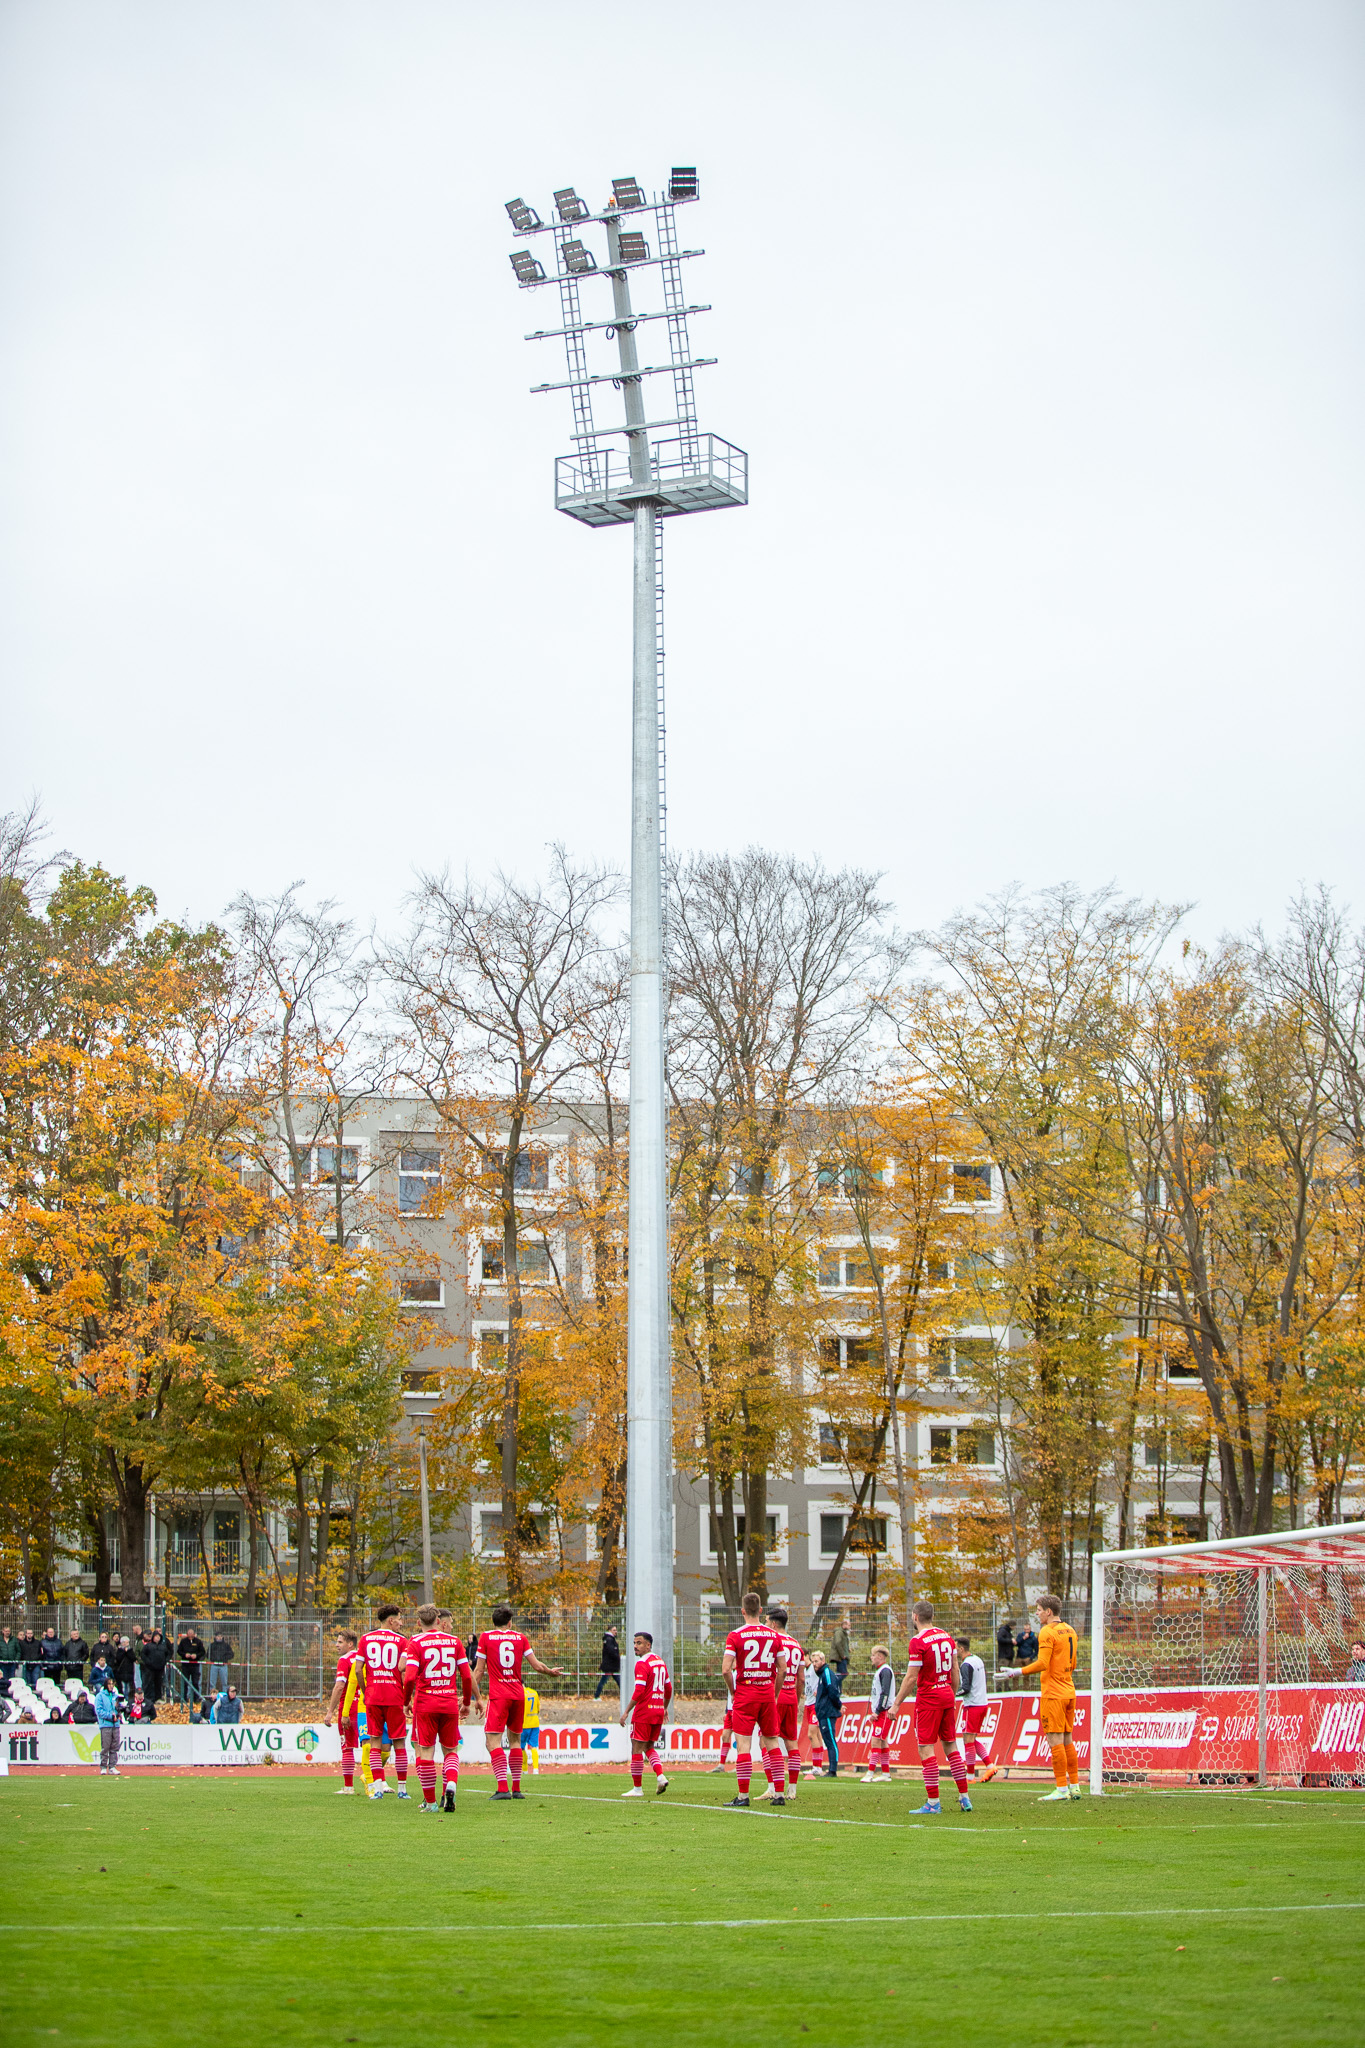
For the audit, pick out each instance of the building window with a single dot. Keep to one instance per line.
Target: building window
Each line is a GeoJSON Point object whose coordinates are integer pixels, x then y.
{"type": "Point", "coordinates": [531, 1170]}
{"type": "Point", "coordinates": [971, 1181]}
{"type": "Point", "coordinates": [844, 1269]}
{"type": "Point", "coordinates": [941, 1528]}
{"type": "Point", "coordinates": [869, 1535]}
{"type": "Point", "coordinates": [533, 1259]}
{"type": "Point", "coordinates": [940, 1447]}
{"type": "Point", "coordinates": [227, 1540]}
{"type": "Point", "coordinates": [774, 1535]}
{"type": "Point", "coordinates": [962, 1446]}
{"type": "Point", "coordinates": [493, 1350]}
{"type": "Point", "coordinates": [831, 1448]}
{"type": "Point", "coordinates": [490, 1262]}
{"type": "Point", "coordinates": [421, 1293]}
{"type": "Point", "coordinates": [1180, 1366]}
{"type": "Point", "coordinates": [422, 1380]}
{"type": "Point", "coordinates": [419, 1177]}
{"type": "Point", "coordinates": [1154, 1449]}
{"type": "Point", "coordinates": [836, 1353]}
{"type": "Point", "coordinates": [327, 1164]}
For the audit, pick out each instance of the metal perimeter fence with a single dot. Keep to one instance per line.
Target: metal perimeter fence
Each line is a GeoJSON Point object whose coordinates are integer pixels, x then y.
{"type": "Point", "coordinates": [279, 1658]}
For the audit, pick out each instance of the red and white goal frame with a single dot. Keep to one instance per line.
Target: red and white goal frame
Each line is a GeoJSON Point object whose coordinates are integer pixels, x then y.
{"type": "Point", "coordinates": [1224, 1662]}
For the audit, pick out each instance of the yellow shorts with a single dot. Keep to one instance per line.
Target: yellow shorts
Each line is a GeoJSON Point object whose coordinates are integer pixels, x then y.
{"type": "Point", "coordinates": [1059, 1713]}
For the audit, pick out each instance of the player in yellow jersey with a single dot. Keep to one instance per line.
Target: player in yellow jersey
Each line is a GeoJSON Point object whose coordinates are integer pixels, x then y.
{"type": "Point", "coordinates": [1056, 1661]}
{"type": "Point", "coordinates": [530, 1729]}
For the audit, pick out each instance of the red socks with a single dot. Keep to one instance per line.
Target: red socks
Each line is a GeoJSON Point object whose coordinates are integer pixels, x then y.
{"type": "Point", "coordinates": [498, 1758]}
{"type": "Point", "coordinates": [793, 1770]}
{"type": "Point", "coordinates": [931, 1779]}
{"type": "Point", "coordinates": [377, 1762]}
{"type": "Point", "coordinates": [637, 1770]}
{"type": "Point", "coordinates": [400, 1762]}
{"type": "Point", "coordinates": [744, 1770]}
{"type": "Point", "coordinates": [348, 1767]}
{"type": "Point", "coordinates": [655, 1762]}
{"type": "Point", "coordinates": [516, 1768]}
{"type": "Point", "coordinates": [426, 1778]}
{"type": "Point", "coordinates": [450, 1771]}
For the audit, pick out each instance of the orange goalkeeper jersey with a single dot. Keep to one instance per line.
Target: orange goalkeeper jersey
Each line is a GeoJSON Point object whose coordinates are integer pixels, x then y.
{"type": "Point", "coordinates": [1056, 1658]}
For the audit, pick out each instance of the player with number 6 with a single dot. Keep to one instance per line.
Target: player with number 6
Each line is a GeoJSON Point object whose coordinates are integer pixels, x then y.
{"type": "Point", "coordinates": [502, 1651]}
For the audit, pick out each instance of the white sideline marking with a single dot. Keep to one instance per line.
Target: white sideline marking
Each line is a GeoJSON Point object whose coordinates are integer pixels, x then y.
{"type": "Point", "coordinates": [939, 1824]}
{"type": "Point", "coordinates": [481, 1928]}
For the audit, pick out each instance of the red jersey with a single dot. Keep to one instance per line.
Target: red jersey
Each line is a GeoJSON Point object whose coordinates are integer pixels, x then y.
{"type": "Point", "coordinates": [444, 1681]}
{"type": "Point", "coordinates": [502, 1650]}
{"type": "Point", "coordinates": [344, 1663]}
{"type": "Point", "coordinates": [653, 1686]}
{"type": "Point", "coordinates": [755, 1646]}
{"type": "Point", "coordinates": [382, 1648]}
{"type": "Point", "coordinates": [935, 1649]}
{"type": "Point", "coordinates": [796, 1657]}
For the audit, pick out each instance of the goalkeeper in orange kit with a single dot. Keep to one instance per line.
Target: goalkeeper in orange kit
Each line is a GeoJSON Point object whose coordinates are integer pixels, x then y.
{"type": "Point", "coordinates": [1056, 1660]}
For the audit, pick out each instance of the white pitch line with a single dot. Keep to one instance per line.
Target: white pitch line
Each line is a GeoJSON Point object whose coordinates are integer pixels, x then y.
{"type": "Point", "coordinates": [938, 1824]}
{"type": "Point", "coordinates": [479, 1929]}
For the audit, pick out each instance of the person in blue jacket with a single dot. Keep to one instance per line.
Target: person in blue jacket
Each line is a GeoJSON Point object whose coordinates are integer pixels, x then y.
{"type": "Point", "coordinates": [109, 1713]}
{"type": "Point", "coordinates": [829, 1704]}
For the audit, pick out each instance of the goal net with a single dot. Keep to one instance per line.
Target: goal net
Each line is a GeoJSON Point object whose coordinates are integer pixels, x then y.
{"type": "Point", "coordinates": [1230, 1662]}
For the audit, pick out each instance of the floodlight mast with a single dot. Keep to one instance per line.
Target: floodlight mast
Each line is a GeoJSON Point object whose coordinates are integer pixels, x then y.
{"type": "Point", "coordinates": [653, 483]}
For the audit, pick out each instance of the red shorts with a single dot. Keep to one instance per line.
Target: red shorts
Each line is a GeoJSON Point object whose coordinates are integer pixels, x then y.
{"type": "Point", "coordinates": [935, 1719]}
{"type": "Point", "coordinates": [755, 1707]}
{"type": "Point", "coordinates": [974, 1718]}
{"type": "Point", "coordinates": [349, 1731]}
{"type": "Point", "coordinates": [786, 1718]}
{"type": "Point", "coordinates": [728, 1723]}
{"type": "Point", "coordinates": [646, 1727]}
{"type": "Point", "coordinates": [505, 1711]}
{"type": "Point", "coordinates": [385, 1717]}
{"type": "Point", "coordinates": [881, 1730]}
{"type": "Point", "coordinates": [433, 1722]}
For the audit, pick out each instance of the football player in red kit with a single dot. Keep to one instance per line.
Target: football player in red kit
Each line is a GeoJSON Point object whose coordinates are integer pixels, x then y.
{"type": "Point", "coordinates": [753, 1665]}
{"type": "Point", "coordinates": [438, 1671]}
{"type": "Point", "coordinates": [645, 1710]}
{"type": "Point", "coordinates": [382, 1649]}
{"type": "Point", "coordinates": [932, 1671]}
{"type": "Point", "coordinates": [502, 1651]}
{"type": "Point", "coordinates": [350, 1734]}
{"type": "Point", "coordinates": [788, 1709]}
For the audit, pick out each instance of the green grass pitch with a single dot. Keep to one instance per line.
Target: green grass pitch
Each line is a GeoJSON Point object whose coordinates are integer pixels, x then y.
{"type": "Point", "coordinates": [248, 1908]}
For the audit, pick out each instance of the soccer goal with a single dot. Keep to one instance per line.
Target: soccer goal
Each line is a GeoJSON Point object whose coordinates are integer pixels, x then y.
{"type": "Point", "coordinates": [1219, 1663]}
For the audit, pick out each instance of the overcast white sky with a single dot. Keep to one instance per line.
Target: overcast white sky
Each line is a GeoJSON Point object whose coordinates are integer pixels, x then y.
{"type": "Point", "coordinates": [1041, 321]}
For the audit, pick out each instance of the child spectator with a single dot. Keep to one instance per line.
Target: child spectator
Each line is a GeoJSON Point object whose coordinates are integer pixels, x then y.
{"type": "Point", "coordinates": [108, 1711]}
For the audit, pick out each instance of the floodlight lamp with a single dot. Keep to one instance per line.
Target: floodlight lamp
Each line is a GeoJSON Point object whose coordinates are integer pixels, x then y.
{"type": "Point", "coordinates": [634, 248]}
{"type": "Point", "coordinates": [571, 207]}
{"type": "Point", "coordinates": [522, 216]}
{"type": "Point", "coordinates": [577, 259]}
{"type": "Point", "coordinates": [627, 194]}
{"type": "Point", "coordinates": [682, 181]}
{"type": "Point", "coordinates": [527, 269]}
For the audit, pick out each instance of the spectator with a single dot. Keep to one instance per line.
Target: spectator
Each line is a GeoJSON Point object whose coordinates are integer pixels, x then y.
{"type": "Point", "coordinates": [1356, 1672]}
{"type": "Point", "coordinates": [142, 1708]}
{"type": "Point", "coordinates": [81, 1711]}
{"type": "Point", "coordinates": [227, 1707]}
{"type": "Point", "coordinates": [1026, 1645]}
{"type": "Point", "coordinates": [75, 1651]}
{"type": "Point", "coordinates": [810, 1686]}
{"type": "Point", "coordinates": [137, 1643]}
{"type": "Point", "coordinates": [1004, 1643]}
{"type": "Point", "coordinates": [156, 1655]}
{"type": "Point", "coordinates": [191, 1652]}
{"type": "Point", "coordinates": [829, 1704]}
{"type": "Point", "coordinates": [50, 1653]}
{"type": "Point", "coordinates": [101, 1671]}
{"type": "Point", "coordinates": [220, 1656]}
{"type": "Point", "coordinates": [125, 1667]}
{"type": "Point", "coordinates": [104, 1648]}
{"type": "Point", "coordinates": [28, 1651]}
{"type": "Point", "coordinates": [840, 1650]}
{"type": "Point", "coordinates": [610, 1667]}
{"type": "Point", "coordinates": [108, 1708]}
{"type": "Point", "coordinates": [11, 1650]}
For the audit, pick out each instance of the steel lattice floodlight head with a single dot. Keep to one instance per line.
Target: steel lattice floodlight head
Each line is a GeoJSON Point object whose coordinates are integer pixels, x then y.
{"type": "Point", "coordinates": [571, 207]}
{"type": "Point", "coordinates": [627, 194]}
{"type": "Point", "coordinates": [634, 248]}
{"type": "Point", "coordinates": [527, 269]}
{"type": "Point", "coordinates": [523, 217]}
{"type": "Point", "coordinates": [578, 259]}
{"type": "Point", "coordinates": [682, 182]}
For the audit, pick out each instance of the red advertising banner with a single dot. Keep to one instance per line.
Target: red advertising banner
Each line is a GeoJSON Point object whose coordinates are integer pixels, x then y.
{"type": "Point", "coordinates": [1310, 1730]}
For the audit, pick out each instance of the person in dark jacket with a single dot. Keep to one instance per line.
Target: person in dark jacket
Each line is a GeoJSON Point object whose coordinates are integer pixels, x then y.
{"type": "Point", "coordinates": [104, 1647]}
{"type": "Point", "coordinates": [191, 1653]}
{"type": "Point", "coordinates": [227, 1706]}
{"type": "Point", "coordinates": [829, 1704]}
{"type": "Point", "coordinates": [1026, 1646]}
{"type": "Point", "coordinates": [1004, 1643]}
{"type": "Point", "coordinates": [610, 1667]}
{"type": "Point", "coordinates": [29, 1659]}
{"type": "Point", "coordinates": [221, 1654]}
{"type": "Point", "coordinates": [81, 1712]}
{"type": "Point", "coordinates": [11, 1650]}
{"type": "Point", "coordinates": [51, 1654]}
{"type": "Point", "coordinates": [125, 1667]}
{"type": "Point", "coordinates": [840, 1650]}
{"type": "Point", "coordinates": [156, 1655]}
{"type": "Point", "coordinates": [101, 1672]}
{"type": "Point", "coordinates": [75, 1651]}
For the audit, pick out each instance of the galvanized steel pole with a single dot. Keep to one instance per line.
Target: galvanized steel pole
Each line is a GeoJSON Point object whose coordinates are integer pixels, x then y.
{"type": "Point", "coordinates": [649, 1385]}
